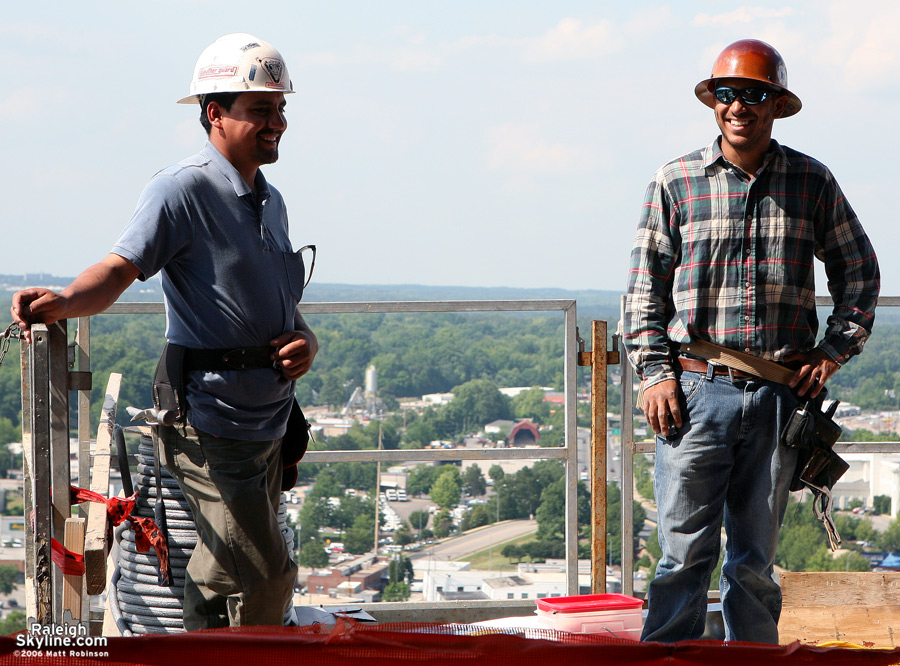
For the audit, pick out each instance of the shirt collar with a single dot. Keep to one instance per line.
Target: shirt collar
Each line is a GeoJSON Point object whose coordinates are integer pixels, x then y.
{"type": "Point", "coordinates": [713, 154]}
{"type": "Point", "coordinates": [241, 188]}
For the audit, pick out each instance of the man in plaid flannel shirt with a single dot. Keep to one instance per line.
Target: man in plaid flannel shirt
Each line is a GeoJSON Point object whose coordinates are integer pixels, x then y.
{"type": "Point", "coordinates": [724, 253]}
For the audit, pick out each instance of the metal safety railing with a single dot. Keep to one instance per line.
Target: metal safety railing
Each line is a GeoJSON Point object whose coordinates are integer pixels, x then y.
{"type": "Point", "coordinates": [46, 380]}
{"type": "Point", "coordinates": [630, 448]}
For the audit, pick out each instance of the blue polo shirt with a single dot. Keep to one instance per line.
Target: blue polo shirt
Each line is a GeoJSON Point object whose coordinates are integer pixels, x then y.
{"type": "Point", "coordinates": [230, 279]}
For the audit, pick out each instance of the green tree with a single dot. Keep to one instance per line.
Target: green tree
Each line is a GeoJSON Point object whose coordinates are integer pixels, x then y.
{"type": "Point", "coordinates": [475, 517]}
{"type": "Point", "coordinates": [419, 520]}
{"type": "Point", "coordinates": [350, 507]}
{"type": "Point", "coordinates": [513, 552]}
{"type": "Point", "coordinates": [422, 477]}
{"type": "Point", "coordinates": [530, 405]}
{"type": "Point", "coordinates": [890, 539]}
{"type": "Point", "coordinates": [403, 535]}
{"type": "Point", "coordinates": [360, 538]}
{"type": "Point", "coordinates": [9, 432]}
{"type": "Point", "coordinates": [419, 434]}
{"type": "Point", "coordinates": [13, 623]}
{"type": "Point", "coordinates": [400, 575]}
{"type": "Point", "coordinates": [9, 576]}
{"type": "Point", "coordinates": [474, 403]}
{"type": "Point", "coordinates": [496, 473]}
{"type": "Point", "coordinates": [314, 515]}
{"type": "Point", "coordinates": [882, 504]}
{"type": "Point", "coordinates": [551, 514]}
{"type": "Point", "coordinates": [395, 592]}
{"type": "Point", "coordinates": [443, 524]}
{"type": "Point", "coordinates": [446, 489]}
{"type": "Point", "coordinates": [473, 480]}
{"type": "Point", "coordinates": [643, 477]}
{"type": "Point", "coordinates": [313, 555]}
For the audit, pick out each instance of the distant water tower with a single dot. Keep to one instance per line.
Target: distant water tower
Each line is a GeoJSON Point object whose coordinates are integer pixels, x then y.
{"type": "Point", "coordinates": [371, 381]}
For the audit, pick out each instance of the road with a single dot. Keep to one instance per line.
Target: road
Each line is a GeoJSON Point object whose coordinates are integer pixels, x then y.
{"type": "Point", "coordinates": [477, 540]}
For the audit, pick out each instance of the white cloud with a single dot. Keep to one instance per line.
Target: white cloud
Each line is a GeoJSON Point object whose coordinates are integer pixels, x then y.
{"type": "Point", "coordinates": [32, 103]}
{"type": "Point", "coordinates": [572, 39]}
{"type": "Point", "coordinates": [519, 148]}
{"type": "Point", "coordinates": [863, 45]}
{"type": "Point", "coordinates": [741, 15]}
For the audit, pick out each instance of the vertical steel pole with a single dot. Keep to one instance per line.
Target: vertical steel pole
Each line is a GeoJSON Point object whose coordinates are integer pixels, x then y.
{"type": "Point", "coordinates": [571, 438]}
{"type": "Point", "coordinates": [39, 362]}
{"type": "Point", "coordinates": [627, 473]}
{"type": "Point", "coordinates": [83, 354]}
{"type": "Point", "coordinates": [28, 471]}
{"type": "Point", "coordinates": [60, 459]}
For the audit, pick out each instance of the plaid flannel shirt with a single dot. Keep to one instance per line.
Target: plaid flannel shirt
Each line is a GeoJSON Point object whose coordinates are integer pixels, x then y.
{"type": "Point", "coordinates": [720, 258]}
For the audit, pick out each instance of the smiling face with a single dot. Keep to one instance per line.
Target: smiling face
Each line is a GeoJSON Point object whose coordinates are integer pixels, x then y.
{"type": "Point", "coordinates": [249, 132]}
{"type": "Point", "coordinates": [746, 129]}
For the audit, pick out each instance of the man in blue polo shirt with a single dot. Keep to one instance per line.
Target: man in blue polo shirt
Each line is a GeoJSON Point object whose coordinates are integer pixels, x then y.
{"type": "Point", "coordinates": [218, 234]}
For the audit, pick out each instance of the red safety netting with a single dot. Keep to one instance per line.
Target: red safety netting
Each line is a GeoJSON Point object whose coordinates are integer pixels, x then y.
{"type": "Point", "coordinates": [432, 645]}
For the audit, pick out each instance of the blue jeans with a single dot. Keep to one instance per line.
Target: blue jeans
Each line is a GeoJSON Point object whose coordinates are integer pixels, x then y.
{"type": "Point", "coordinates": [725, 464]}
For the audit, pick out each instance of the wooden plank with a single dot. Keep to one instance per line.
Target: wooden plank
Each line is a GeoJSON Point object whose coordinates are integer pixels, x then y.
{"type": "Point", "coordinates": [73, 585]}
{"type": "Point", "coordinates": [856, 607]}
{"type": "Point", "coordinates": [96, 549]}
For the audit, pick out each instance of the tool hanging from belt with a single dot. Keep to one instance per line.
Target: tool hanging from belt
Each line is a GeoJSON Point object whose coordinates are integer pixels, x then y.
{"type": "Point", "coordinates": [810, 430]}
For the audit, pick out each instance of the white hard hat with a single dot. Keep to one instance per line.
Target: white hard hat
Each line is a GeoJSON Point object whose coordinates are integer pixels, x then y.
{"type": "Point", "coordinates": [238, 62]}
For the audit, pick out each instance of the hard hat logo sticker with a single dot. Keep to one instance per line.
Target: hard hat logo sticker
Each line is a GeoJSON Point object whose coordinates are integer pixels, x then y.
{"type": "Point", "coordinates": [274, 68]}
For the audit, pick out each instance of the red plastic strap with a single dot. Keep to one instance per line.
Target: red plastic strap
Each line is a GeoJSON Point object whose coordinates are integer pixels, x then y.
{"type": "Point", "coordinates": [117, 508]}
{"type": "Point", "coordinates": [71, 564]}
{"type": "Point", "coordinates": [146, 533]}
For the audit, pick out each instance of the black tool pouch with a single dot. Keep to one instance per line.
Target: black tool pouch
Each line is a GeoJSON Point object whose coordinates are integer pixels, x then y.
{"type": "Point", "coordinates": [814, 433]}
{"type": "Point", "coordinates": [168, 382]}
{"type": "Point", "coordinates": [293, 446]}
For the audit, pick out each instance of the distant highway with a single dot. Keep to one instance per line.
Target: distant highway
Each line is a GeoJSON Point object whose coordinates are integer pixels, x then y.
{"type": "Point", "coordinates": [477, 540]}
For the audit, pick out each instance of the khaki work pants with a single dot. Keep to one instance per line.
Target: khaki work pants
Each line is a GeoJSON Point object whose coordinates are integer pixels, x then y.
{"type": "Point", "coordinates": [240, 572]}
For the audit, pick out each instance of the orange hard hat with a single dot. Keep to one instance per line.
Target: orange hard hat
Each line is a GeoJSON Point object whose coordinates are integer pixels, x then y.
{"type": "Point", "coordinates": [753, 60]}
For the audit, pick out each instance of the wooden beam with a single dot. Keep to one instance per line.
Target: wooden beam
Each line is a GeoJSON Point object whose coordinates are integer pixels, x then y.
{"type": "Point", "coordinates": [73, 585]}
{"type": "Point", "coordinates": [96, 548]}
{"type": "Point", "coordinates": [855, 607]}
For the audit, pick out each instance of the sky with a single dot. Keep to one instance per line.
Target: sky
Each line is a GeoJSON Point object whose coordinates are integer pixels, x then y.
{"type": "Point", "coordinates": [469, 143]}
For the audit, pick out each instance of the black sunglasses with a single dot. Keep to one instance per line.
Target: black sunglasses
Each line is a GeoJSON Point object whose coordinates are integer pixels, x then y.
{"type": "Point", "coordinates": [749, 96]}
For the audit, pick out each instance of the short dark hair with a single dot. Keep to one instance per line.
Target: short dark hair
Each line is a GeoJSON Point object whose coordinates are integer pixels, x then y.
{"type": "Point", "coordinates": [225, 100]}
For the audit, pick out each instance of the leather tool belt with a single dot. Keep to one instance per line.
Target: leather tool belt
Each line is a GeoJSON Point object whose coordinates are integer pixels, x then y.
{"type": "Point", "coordinates": [746, 363]}
{"type": "Point", "coordinates": [696, 365]}
{"type": "Point", "coordinates": [169, 392]}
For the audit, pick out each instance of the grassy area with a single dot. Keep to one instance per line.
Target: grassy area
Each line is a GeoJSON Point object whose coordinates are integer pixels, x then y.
{"type": "Point", "coordinates": [491, 559]}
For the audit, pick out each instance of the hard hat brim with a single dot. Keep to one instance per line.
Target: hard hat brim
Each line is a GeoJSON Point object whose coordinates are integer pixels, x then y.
{"type": "Point", "coordinates": [704, 93]}
{"type": "Point", "coordinates": [195, 99]}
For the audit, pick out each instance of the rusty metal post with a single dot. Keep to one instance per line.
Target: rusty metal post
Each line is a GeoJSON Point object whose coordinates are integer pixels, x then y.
{"type": "Point", "coordinates": [598, 457]}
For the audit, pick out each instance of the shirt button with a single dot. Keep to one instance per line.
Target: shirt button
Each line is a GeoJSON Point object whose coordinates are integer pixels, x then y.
{"type": "Point", "coordinates": [746, 317]}
{"type": "Point", "coordinates": [746, 350]}
{"type": "Point", "coordinates": [746, 284]}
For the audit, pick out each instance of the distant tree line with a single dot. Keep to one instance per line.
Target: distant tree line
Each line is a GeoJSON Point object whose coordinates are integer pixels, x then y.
{"type": "Point", "coordinates": [413, 354]}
